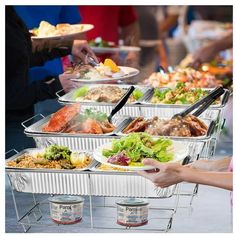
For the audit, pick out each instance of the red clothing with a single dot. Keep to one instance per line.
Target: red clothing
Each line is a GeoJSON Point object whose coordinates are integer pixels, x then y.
{"type": "Point", "coordinates": [107, 20]}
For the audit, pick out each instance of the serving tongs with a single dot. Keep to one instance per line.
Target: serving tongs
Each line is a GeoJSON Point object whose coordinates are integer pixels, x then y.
{"type": "Point", "coordinates": [204, 103]}
{"type": "Point", "coordinates": [121, 103]}
{"type": "Point", "coordinates": [91, 61]}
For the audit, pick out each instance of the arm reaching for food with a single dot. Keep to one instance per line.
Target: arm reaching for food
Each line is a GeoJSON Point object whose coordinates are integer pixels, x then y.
{"type": "Point", "coordinates": [165, 175]}
{"type": "Point", "coordinates": [208, 52]}
{"type": "Point", "coordinates": [211, 165]}
{"type": "Point", "coordinates": [78, 48]}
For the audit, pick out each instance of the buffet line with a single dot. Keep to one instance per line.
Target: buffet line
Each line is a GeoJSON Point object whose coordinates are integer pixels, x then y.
{"type": "Point", "coordinates": [95, 143]}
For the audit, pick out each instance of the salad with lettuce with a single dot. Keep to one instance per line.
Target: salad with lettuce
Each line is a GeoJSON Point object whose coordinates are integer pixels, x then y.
{"type": "Point", "coordinates": [179, 95]}
{"type": "Point", "coordinates": [132, 149]}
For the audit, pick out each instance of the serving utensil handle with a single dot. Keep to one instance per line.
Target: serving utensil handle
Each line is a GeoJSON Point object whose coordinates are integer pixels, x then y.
{"type": "Point", "coordinates": [121, 103]}
{"type": "Point", "coordinates": [209, 99]}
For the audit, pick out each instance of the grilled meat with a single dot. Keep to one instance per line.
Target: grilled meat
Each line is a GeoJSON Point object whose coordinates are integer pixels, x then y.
{"type": "Point", "coordinates": [189, 126]}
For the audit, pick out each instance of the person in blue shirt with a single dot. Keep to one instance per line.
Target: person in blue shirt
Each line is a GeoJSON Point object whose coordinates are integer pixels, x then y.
{"type": "Point", "coordinates": [32, 16]}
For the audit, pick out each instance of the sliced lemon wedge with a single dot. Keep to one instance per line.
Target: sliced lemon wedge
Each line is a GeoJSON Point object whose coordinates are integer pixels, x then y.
{"type": "Point", "coordinates": [110, 63]}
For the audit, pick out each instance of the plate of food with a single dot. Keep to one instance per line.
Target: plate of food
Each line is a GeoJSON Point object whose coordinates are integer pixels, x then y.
{"type": "Point", "coordinates": [220, 68]}
{"type": "Point", "coordinates": [49, 31]}
{"type": "Point", "coordinates": [53, 157]}
{"type": "Point", "coordinates": [129, 151]}
{"type": "Point", "coordinates": [191, 77]}
{"type": "Point", "coordinates": [101, 46]}
{"type": "Point", "coordinates": [104, 72]}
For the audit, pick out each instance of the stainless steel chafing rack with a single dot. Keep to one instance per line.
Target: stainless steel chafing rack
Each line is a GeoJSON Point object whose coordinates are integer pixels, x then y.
{"type": "Point", "coordinates": [69, 99]}
{"type": "Point", "coordinates": [78, 141]}
{"type": "Point", "coordinates": [92, 183]}
{"type": "Point", "coordinates": [102, 183]}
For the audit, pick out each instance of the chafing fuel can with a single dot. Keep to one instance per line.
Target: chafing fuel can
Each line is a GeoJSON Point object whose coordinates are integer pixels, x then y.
{"type": "Point", "coordinates": [66, 209]}
{"type": "Point", "coordinates": [132, 212]}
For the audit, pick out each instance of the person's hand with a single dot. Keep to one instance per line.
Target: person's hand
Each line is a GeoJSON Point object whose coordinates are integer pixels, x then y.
{"type": "Point", "coordinates": [164, 174]}
{"type": "Point", "coordinates": [66, 82]}
{"type": "Point", "coordinates": [204, 54]}
{"type": "Point", "coordinates": [81, 51]}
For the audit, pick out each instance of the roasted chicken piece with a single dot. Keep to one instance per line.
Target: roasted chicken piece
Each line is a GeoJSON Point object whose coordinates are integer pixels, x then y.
{"type": "Point", "coordinates": [196, 126]}
{"type": "Point", "coordinates": [60, 118]}
{"type": "Point", "coordinates": [168, 128]}
{"type": "Point", "coordinates": [107, 127]}
{"type": "Point", "coordinates": [137, 125]}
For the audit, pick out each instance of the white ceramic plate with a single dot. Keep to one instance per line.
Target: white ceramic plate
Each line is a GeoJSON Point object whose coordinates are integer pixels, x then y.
{"type": "Point", "coordinates": [101, 50]}
{"type": "Point", "coordinates": [180, 152]}
{"type": "Point", "coordinates": [128, 72]}
{"type": "Point", "coordinates": [81, 29]}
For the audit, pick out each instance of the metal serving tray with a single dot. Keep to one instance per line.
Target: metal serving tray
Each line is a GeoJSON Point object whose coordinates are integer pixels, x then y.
{"type": "Point", "coordinates": [167, 113]}
{"type": "Point", "coordinates": [211, 129]}
{"type": "Point", "coordinates": [48, 181]}
{"type": "Point", "coordinates": [149, 95]}
{"type": "Point", "coordinates": [39, 150]}
{"type": "Point", "coordinates": [125, 183]}
{"type": "Point", "coordinates": [90, 182]}
{"type": "Point", "coordinates": [36, 129]}
{"type": "Point", "coordinates": [68, 98]}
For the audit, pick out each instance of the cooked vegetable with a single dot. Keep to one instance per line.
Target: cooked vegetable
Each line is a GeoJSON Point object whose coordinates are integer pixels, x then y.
{"type": "Point", "coordinates": [180, 95]}
{"type": "Point", "coordinates": [137, 94]}
{"type": "Point", "coordinates": [95, 115]}
{"type": "Point", "coordinates": [137, 146]}
{"type": "Point", "coordinates": [55, 152]}
{"type": "Point", "coordinates": [81, 92]}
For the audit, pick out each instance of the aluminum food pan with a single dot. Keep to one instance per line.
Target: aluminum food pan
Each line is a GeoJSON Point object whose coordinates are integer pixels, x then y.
{"type": "Point", "coordinates": [164, 112]}
{"type": "Point", "coordinates": [39, 150]}
{"type": "Point", "coordinates": [68, 98]}
{"type": "Point", "coordinates": [48, 181]}
{"type": "Point", "coordinates": [103, 183]}
{"type": "Point", "coordinates": [86, 183]}
{"type": "Point", "coordinates": [167, 113]}
{"type": "Point", "coordinates": [125, 184]}
{"type": "Point", "coordinates": [36, 129]}
{"type": "Point", "coordinates": [210, 131]}
{"type": "Point", "coordinates": [121, 183]}
{"type": "Point", "coordinates": [149, 94]}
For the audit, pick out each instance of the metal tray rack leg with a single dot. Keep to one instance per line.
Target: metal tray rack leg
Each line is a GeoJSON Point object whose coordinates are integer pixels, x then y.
{"type": "Point", "coordinates": [160, 219]}
{"type": "Point", "coordinates": [25, 227]}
